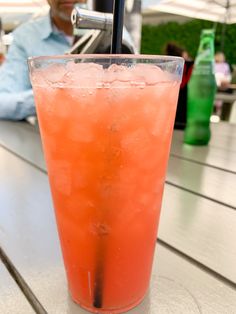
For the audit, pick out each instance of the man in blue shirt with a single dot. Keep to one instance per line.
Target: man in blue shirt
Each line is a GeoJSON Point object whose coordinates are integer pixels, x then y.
{"type": "Point", "coordinates": [48, 35]}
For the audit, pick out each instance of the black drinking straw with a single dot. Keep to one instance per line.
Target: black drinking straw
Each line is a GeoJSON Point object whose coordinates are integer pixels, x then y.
{"type": "Point", "coordinates": [116, 48]}
{"type": "Point", "coordinates": [118, 22]}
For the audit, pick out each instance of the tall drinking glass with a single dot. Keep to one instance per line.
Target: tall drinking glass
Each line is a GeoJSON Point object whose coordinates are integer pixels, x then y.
{"type": "Point", "coordinates": [106, 123]}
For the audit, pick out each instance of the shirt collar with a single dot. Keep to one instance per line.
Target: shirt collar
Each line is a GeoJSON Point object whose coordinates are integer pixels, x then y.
{"type": "Point", "coordinates": [47, 28]}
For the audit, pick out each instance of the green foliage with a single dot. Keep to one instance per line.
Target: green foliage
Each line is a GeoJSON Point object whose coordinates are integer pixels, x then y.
{"type": "Point", "coordinates": [187, 35]}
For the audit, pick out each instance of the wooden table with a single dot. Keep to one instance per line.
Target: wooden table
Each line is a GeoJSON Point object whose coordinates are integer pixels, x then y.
{"type": "Point", "coordinates": [195, 263]}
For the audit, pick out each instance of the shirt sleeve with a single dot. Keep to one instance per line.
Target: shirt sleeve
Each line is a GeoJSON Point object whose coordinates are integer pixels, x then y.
{"type": "Point", "coordinates": [16, 96]}
{"type": "Point", "coordinates": [17, 106]}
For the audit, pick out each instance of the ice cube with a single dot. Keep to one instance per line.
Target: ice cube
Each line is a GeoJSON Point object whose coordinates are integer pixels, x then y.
{"type": "Point", "coordinates": [117, 73]}
{"type": "Point", "coordinates": [151, 74]}
{"type": "Point", "coordinates": [55, 73]}
{"type": "Point", "coordinates": [38, 78]}
{"type": "Point", "coordinates": [84, 75]}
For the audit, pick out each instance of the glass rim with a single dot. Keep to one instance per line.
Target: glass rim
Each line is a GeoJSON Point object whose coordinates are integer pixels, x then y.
{"type": "Point", "coordinates": [106, 56]}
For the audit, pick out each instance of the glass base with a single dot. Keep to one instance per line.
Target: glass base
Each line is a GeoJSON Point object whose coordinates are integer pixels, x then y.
{"type": "Point", "coordinates": [110, 311]}
{"type": "Point", "coordinates": [164, 296]}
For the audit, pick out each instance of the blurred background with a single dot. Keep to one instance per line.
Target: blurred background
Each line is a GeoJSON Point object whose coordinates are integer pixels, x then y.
{"type": "Point", "coordinates": [152, 25]}
{"type": "Point", "coordinates": [158, 21]}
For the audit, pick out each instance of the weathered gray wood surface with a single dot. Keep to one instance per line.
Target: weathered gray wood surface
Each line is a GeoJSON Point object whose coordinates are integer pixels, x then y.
{"type": "Point", "coordinates": [11, 298]}
{"type": "Point", "coordinates": [216, 154]}
{"type": "Point", "coordinates": [210, 182]}
{"type": "Point", "coordinates": [201, 229]}
{"type": "Point", "coordinates": [22, 139]}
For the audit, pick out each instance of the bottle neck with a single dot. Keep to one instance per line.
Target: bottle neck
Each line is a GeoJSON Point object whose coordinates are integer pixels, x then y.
{"type": "Point", "coordinates": [205, 50]}
{"type": "Point", "coordinates": [204, 62]}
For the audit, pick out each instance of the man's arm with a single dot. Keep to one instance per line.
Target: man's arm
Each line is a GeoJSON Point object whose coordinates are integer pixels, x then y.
{"type": "Point", "coordinates": [17, 106]}
{"type": "Point", "coordinates": [16, 96]}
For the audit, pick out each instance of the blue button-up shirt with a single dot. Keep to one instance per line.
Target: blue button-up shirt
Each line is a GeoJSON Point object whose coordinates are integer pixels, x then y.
{"type": "Point", "coordinates": [34, 38]}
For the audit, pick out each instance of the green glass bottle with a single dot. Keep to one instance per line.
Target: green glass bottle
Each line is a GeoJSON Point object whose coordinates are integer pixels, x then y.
{"type": "Point", "coordinates": [201, 93]}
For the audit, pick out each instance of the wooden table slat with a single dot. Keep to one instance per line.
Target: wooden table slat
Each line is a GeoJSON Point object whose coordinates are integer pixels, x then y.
{"type": "Point", "coordinates": [207, 181]}
{"type": "Point", "coordinates": [12, 299]}
{"type": "Point", "coordinates": [223, 128]}
{"type": "Point", "coordinates": [201, 229]}
{"type": "Point", "coordinates": [24, 140]}
{"type": "Point", "coordinates": [224, 158]}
